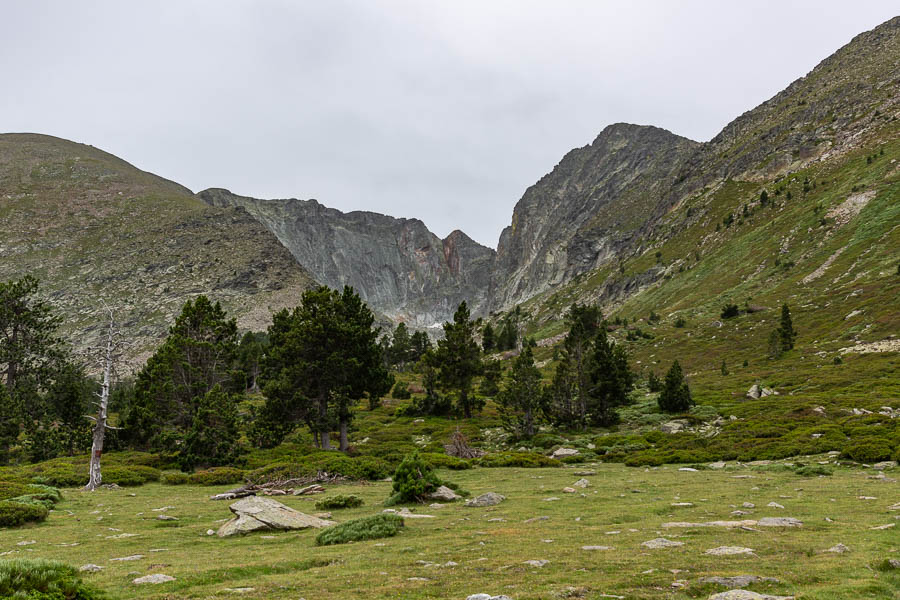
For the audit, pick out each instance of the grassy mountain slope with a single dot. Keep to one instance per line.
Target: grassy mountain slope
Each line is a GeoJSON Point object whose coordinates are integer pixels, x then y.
{"type": "Point", "coordinates": [97, 230]}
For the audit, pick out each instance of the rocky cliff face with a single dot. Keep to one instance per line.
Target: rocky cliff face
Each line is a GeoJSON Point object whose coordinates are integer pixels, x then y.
{"type": "Point", "coordinates": [580, 215]}
{"type": "Point", "coordinates": [397, 265]}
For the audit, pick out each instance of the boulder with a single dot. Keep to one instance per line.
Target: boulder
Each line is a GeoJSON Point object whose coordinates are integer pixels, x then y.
{"type": "Point", "coordinates": [255, 513]}
{"type": "Point", "coordinates": [488, 499]}
{"type": "Point", "coordinates": [90, 568]}
{"type": "Point", "coordinates": [536, 563]}
{"type": "Point", "coordinates": [487, 597]}
{"type": "Point", "coordinates": [754, 392]}
{"type": "Point", "coordinates": [838, 549]}
{"type": "Point", "coordinates": [886, 464]}
{"type": "Point", "coordinates": [564, 452]}
{"type": "Point", "coordinates": [673, 426]}
{"type": "Point", "coordinates": [729, 551]}
{"type": "Point", "coordinates": [582, 483]}
{"type": "Point", "coordinates": [444, 493]}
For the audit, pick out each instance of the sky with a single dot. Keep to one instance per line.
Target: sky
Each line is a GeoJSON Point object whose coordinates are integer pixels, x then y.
{"type": "Point", "coordinates": [443, 111]}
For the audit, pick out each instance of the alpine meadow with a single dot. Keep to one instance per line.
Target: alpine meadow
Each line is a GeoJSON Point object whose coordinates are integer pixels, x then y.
{"type": "Point", "coordinates": [677, 374]}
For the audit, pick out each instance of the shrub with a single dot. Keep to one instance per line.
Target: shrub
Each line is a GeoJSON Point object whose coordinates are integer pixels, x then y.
{"type": "Point", "coordinates": [445, 461]}
{"type": "Point", "coordinates": [175, 478]}
{"type": "Point", "coordinates": [867, 451]}
{"type": "Point", "coordinates": [401, 391]}
{"type": "Point", "coordinates": [367, 528]}
{"type": "Point", "coordinates": [644, 459]}
{"type": "Point", "coordinates": [518, 459]}
{"type": "Point", "coordinates": [413, 480]}
{"type": "Point", "coordinates": [44, 492]}
{"type": "Point", "coordinates": [13, 514]}
{"type": "Point", "coordinates": [130, 476]}
{"type": "Point", "coordinates": [362, 467]}
{"type": "Point", "coordinates": [339, 501]}
{"type": "Point", "coordinates": [43, 580]}
{"type": "Point", "coordinates": [9, 489]}
{"type": "Point", "coordinates": [813, 470]}
{"type": "Point", "coordinates": [547, 441]}
{"type": "Point", "coordinates": [62, 476]}
{"type": "Point", "coordinates": [729, 311]}
{"type": "Point", "coordinates": [217, 476]}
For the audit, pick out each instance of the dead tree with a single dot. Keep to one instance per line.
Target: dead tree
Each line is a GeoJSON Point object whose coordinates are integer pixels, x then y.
{"type": "Point", "coordinates": [108, 356]}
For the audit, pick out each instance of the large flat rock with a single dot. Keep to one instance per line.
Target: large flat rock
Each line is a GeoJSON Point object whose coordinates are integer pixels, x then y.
{"type": "Point", "coordinates": [256, 513]}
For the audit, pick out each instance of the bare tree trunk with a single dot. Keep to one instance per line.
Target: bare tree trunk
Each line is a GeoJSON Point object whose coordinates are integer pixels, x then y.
{"type": "Point", "coordinates": [326, 440]}
{"type": "Point", "coordinates": [344, 444]}
{"type": "Point", "coordinates": [96, 478]}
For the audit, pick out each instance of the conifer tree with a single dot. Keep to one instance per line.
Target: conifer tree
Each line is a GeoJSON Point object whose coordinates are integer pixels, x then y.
{"type": "Point", "coordinates": [610, 380]}
{"type": "Point", "coordinates": [786, 332]}
{"type": "Point", "coordinates": [212, 439]}
{"type": "Point", "coordinates": [459, 360]}
{"type": "Point", "coordinates": [567, 404]}
{"type": "Point", "coordinates": [521, 401]}
{"type": "Point", "coordinates": [676, 395]}
{"type": "Point", "coordinates": [488, 341]}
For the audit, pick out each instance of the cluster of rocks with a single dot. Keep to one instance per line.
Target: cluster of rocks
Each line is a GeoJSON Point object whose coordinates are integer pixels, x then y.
{"type": "Point", "coordinates": [756, 392]}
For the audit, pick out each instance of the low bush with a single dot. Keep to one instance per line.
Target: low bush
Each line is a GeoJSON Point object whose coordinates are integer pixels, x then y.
{"type": "Point", "coordinates": [9, 489]}
{"type": "Point", "coordinates": [547, 441]}
{"type": "Point", "coordinates": [360, 467]}
{"type": "Point", "coordinates": [367, 528]}
{"type": "Point", "coordinates": [413, 480]}
{"type": "Point", "coordinates": [813, 470]}
{"type": "Point", "coordinates": [62, 476]}
{"type": "Point", "coordinates": [867, 451]}
{"type": "Point", "coordinates": [43, 492]}
{"type": "Point", "coordinates": [517, 459]}
{"type": "Point", "coordinates": [339, 501]}
{"type": "Point", "coordinates": [13, 514]}
{"type": "Point", "coordinates": [445, 461]}
{"type": "Point", "coordinates": [217, 476]}
{"type": "Point", "coordinates": [129, 476]}
{"type": "Point", "coordinates": [43, 580]}
{"type": "Point", "coordinates": [175, 478]}
{"type": "Point", "coordinates": [401, 391]}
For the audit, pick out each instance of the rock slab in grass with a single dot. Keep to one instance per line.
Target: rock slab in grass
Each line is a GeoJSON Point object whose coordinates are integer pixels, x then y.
{"type": "Point", "coordinates": [661, 543]}
{"type": "Point", "coordinates": [738, 581]}
{"type": "Point", "coordinates": [779, 522]}
{"type": "Point", "coordinates": [838, 549]}
{"type": "Point", "coordinates": [564, 452]}
{"type": "Point", "coordinates": [444, 493]}
{"type": "Point", "coordinates": [729, 551]}
{"type": "Point", "coordinates": [487, 597]}
{"type": "Point", "coordinates": [155, 578]}
{"type": "Point", "coordinates": [90, 568]}
{"type": "Point", "coordinates": [746, 595]}
{"type": "Point", "coordinates": [488, 499]}
{"type": "Point", "coordinates": [536, 563]}
{"type": "Point", "coordinates": [255, 513]}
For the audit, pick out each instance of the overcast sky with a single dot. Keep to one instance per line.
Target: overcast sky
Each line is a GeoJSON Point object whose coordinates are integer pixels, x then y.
{"type": "Point", "coordinates": [445, 111]}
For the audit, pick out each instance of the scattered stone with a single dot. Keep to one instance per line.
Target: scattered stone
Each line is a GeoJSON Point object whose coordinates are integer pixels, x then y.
{"type": "Point", "coordinates": [166, 518]}
{"type": "Point", "coordinates": [127, 558]}
{"type": "Point", "coordinates": [746, 595]}
{"type": "Point", "coordinates": [597, 548]}
{"type": "Point", "coordinates": [585, 473]}
{"type": "Point", "coordinates": [487, 597]}
{"type": "Point", "coordinates": [894, 507]}
{"type": "Point", "coordinates": [682, 504]}
{"type": "Point", "coordinates": [717, 465]}
{"type": "Point", "coordinates": [748, 505]}
{"type": "Point", "coordinates": [729, 551]}
{"type": "Point", "coordinates": [210, 532]}
{"type": "Point", "coordinates": [738, 581]}
{"type": "Point", "coordinates": [754, 392]}
{"type": "Point", "coordinates": [89, 568]}
{"type": "Point", "coordinates": [839, 549]}
{"type": "Point", "coordinates": [437, 505]}
{"type": "Point", "coordinates": [568, 490]}
{"type": "Point", "coordinates": [582, 483]}
{"type": "Point", "coordinates": [893, 563]}
{"type": "Point", "coordinates": [888, 526]}
{"type": "Point", "coordinates": [688, 469]}
{"type": "Point", "coordinates": [322, 515]}
{"type": "Point", "coordinates": [164, 508]}
{"type": "Point", "coordinates": [255, 513]}
{"type": "Point", "coordinates": [240, 590]}
{"type": "Point", "coordinates": [445, 494]}
{"type": "Point", "coordinates": [533, 519]}
{"type": "Point", "coordinates": [155, 578]}
{"type": "Point", "coordinates": [553, 498]}
{"type": "Point", "coordinates": [536, 563]}
{"type": "Point", "coordinates": [779, 522]}
{"type": "Point", "coordinates": [661, 543]}
{"type": "Point", "coordinates": [122, 536]}
{"type": "Point", "coordinates": [726, 524]}
{"type": "Point", "coordinates": [675, 426]}
{"type": "Point", "coordinates": [867, 497]}
{"type": "Point", "coordinates": [26, 542]}
{"type": "Point", "coordinates": [774, 505]}
{"type": "Point", "coordinates": [488, 499]}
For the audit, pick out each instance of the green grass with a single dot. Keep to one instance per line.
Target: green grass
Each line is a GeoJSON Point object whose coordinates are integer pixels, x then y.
{"type": "Point", "coordinates": [490, 554]}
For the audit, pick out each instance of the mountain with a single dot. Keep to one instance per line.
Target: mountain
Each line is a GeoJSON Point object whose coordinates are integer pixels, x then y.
{"type": "Point", "coordinates": [99, 232]}
{"type": "Point", "coordinates": [397, 265]}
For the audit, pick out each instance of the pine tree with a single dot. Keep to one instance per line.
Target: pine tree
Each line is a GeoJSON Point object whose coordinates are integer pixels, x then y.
{"type": "Point", "coordinates": [786, 332]}
{"type": "Point", "coordinates": [610, 380]}
{"type": "Point", "coordinates": [198, 354]}
{"type": "Point", "coordinates": [654, 384]}
{"type": "Point", "coordinates": [676, 395]}
{"type": "Point", "coordinates": [401, 346]}
{"type": "Point", "coordinates": [775, 349]}
{"type": "Point", "coordinates": [213, 437]}
{"type": "Point", "coordinates": [522, 397]}
{"type": "Point", "coordinates": [459, 358]}
{"type": "Point", "coordinates": [324, 357]}
{"type": "Point", "coordinates": [488, 341]}
{"type": "Point", "coordinates": [567, 403]}
{"type": "Point", "coordinates": [419, 345]}
{"type": "Point", "coordinates": [490, 378]}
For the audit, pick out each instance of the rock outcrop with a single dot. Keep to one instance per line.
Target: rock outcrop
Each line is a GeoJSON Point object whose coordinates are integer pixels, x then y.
{"type": "Point", "coordinates": [398, 266]}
